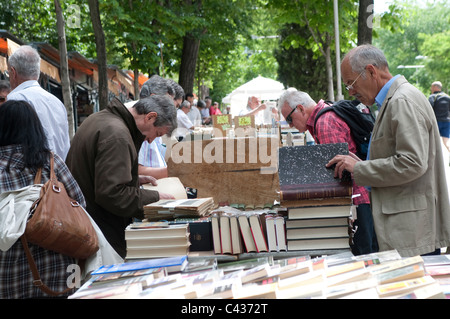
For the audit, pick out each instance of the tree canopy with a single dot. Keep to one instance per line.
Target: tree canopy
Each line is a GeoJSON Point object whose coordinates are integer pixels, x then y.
{"type": "Point", "coordinates": [237, 40]}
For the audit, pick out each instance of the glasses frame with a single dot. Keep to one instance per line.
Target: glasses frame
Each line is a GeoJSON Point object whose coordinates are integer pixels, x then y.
{"type": "Point", "coordinates": [289, 117]}
{"type": "Point", "coordinates": [350, 87]}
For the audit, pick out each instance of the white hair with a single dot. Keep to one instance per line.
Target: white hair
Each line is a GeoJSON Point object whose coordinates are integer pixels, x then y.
{"type": "Point", "coordinates": [26, 61]}
{"type": "Point", "coordinates": [294, 97]}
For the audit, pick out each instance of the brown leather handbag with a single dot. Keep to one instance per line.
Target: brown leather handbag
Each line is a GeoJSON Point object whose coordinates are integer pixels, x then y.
{"type": "Point", "coordinates": [59, 223]}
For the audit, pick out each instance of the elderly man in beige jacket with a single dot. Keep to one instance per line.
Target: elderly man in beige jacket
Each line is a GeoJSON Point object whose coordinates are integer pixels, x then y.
{"type": "Point", "coordinates": [405, 169]}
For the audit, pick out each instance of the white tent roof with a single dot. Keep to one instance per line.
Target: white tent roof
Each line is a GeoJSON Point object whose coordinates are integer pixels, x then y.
{"type": "Point", "coordinates": [263, 88]}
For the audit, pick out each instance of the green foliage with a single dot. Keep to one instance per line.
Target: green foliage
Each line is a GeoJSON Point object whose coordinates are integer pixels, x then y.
{"type": "Point", "coordinates": [422, 38]}
{"type": "Point", "coordinates": [237, 40]}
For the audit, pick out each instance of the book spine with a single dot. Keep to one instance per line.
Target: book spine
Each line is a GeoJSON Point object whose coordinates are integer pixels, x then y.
{"type": "Point", "coordinates": [301, 192]}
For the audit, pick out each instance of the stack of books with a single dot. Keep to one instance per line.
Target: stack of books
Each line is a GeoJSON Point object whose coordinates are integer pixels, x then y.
{"type": "Point", "coordinates": [318, 204]}
{"type": "Point", "coordinates": [156, 240]}
{"type": "Point", "coordinates": [176, 208]}
{"type": "Point", "coordinates": [236, 232]}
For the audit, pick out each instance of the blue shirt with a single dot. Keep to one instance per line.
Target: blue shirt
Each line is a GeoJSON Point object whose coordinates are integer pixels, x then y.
{"type": "Point", "coordinates": [379, 99]}
{"type": "Point", "coordinates": [152, 155]}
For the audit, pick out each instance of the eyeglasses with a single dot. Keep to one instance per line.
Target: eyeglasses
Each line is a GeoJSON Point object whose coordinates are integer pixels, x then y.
{"type": "Point", "coordinates": [2, 99]}
{"type": "Point", "coordinates": [350, 87]}
{"type": "Point", "coordinates": [289, 117]}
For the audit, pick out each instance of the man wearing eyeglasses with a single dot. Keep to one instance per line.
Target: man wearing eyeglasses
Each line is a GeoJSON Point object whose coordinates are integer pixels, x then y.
{"type": "Point", "coordinates": [300, 111]}
{"type": "Point", "coordinates": [405, 169]}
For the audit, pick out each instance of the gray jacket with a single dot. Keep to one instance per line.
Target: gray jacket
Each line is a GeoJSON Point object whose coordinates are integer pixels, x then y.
{"type": "Point", "coordinates": [406, 172]}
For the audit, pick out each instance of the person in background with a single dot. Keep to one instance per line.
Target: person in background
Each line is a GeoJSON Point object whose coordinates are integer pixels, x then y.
{"type": "Point", "coordinates": [194, 113]}
{"type": "Point", "coordinates": [204, 111]}
{"type": "Point", "coordinates": [5, 88]}
{"type": "Point", "coordinates": [214, 109]}
{"type": "Point", "coordinates": [254, 107]}
{"type": "Point", "coordinates": [24, 71]}
{"type": "Point", "coordinates": [182, 118]}
{"type": "Point", "coordinates": [23, 150]}
{"type": "Point", "coordinates": [300, 111]}
{"type": "Point", "coordinates": [178, 92]}
{"type": "Point", "coordinates": [405, 165]}
{"type": "Point", "coordinates": [103, 158]}
{"type": "Point", "coordinates": [441, 107]}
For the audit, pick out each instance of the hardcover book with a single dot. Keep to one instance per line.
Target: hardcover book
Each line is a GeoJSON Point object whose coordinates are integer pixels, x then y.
{"type": "Point", "coordinates": [303, 173]}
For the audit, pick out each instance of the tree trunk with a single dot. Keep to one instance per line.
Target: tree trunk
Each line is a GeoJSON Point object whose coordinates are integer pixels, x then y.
{"type": "Point", "coordinates": [136, 85]}
{"type": "Point", "coordinates": [365, 22]}
{"type": "Point", "coordinates": [101, 53]}
{"type": "Point", "coordinates": [329, 66]}
{"type": "Point", "coordinates": [191, 47]}
{"type": "Point", "coordinates": [64, 68]}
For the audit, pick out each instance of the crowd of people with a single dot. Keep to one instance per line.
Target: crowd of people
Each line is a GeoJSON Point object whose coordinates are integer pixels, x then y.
{"type": "Point", "coordinates": [403, 200]}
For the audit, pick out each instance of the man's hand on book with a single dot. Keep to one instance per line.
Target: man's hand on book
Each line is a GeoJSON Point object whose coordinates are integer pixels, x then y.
{"type": "Point", "coordinates": [343, 163]}
{"type": "Point", "coordinates": [165, 196]}
{"type": "Point", "coordinates": [145, 179]}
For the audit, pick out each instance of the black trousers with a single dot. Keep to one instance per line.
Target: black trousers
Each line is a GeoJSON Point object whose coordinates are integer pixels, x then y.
{"type": "Point", "coordinates": [364, 239]}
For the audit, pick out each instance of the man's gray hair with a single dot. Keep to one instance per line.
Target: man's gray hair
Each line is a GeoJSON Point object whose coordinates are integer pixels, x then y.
{"type": "Point", "coordinates": [178, 90]}
{"type": "Point", "coordinates": [155, 85]}
{"type": "Point", "coordinates": [185, 103]}
{"type": "Point", "coordinates": [163, 106]}
{"type": "Point", "coordinates": [294, 97]}
{"type": "Point", "coordinates": [365, 54]}
{"type": "Point", "coordinates": [26, 61]}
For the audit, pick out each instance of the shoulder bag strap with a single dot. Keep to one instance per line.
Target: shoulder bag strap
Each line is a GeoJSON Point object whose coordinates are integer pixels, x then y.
{"type": "Point", "coordinates": [37, 178]}
{"type": "Point", "coordinates": [53, 174]}
{"type": "Point", "coordinates": [36, 277]}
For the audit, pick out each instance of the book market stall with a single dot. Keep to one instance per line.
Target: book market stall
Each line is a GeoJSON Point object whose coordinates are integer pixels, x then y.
{"type": "Point", "coordinates": [254, 229]}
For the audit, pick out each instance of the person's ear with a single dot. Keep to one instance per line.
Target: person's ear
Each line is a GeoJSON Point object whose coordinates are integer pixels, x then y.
{"type": "Point", "coordinates": [151, 116]}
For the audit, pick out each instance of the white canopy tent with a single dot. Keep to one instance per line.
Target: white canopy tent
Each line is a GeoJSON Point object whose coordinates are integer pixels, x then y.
{"type": "Point", "coordinates": [264, 88]}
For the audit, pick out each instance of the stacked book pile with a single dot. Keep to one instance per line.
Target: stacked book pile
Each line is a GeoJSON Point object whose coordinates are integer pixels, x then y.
{"type": "Point", "coordinates": [176, 208]}
{"type": "Point", "coordinates": [156, 240]}
{"type": "Point", "coordinates": [318, 204]}
{"type": "Point", "coordinates": [384, 275]}
{"type": "Point", "coordinates": [235, 232]}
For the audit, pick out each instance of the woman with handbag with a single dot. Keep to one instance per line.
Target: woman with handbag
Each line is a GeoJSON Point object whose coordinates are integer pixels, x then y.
{"type": "Point", "coordinates": [23, 150]}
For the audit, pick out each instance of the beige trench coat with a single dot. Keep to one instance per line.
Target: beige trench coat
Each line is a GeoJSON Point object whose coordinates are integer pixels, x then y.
{"type": "Point", "coordinates": [406, 172]}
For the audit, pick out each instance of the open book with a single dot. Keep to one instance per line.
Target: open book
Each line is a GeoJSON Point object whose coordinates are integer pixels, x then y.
{"type": "Point", "coordinates": [169, 185]}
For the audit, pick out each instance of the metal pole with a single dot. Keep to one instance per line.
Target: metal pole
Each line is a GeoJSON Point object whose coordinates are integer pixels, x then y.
{"type": "Point", "coordinates": [338, 52]}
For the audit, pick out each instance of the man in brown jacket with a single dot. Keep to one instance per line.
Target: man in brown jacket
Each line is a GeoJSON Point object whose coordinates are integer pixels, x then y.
{"type": "Point", "coordinates": [103, 158]}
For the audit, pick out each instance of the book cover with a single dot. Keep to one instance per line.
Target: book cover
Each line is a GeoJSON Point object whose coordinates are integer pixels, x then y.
{"type": "Point", "coordinates": [200, 232]}
{"type": "Point", "coordinates": [319, 212]}
{"type": "Point", "coordinates": [321, 243]}
{"type": "Point", "coordinates": [144, 252]}
{"type": "Point", "coordinates": [174, 263]}
{"type": "Point", "coordinates": [303, 173]}
{"type": "Point", "coordinates": [180, 230]}
{"type": "Point", "coordinates": [215, 227]}
{"type": "Point", "coordinates": [317, 222]}
{"type": "Point", "coordinates": [246, 233]}
{"type": "Point", "coordinates": [258, 232]}
{"type": "Point", "coordinates": [225, 234]}
{"type": "Point", "coordinates": [280, 231]}
{"type": "Point", "coordinates": [317, 232]}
